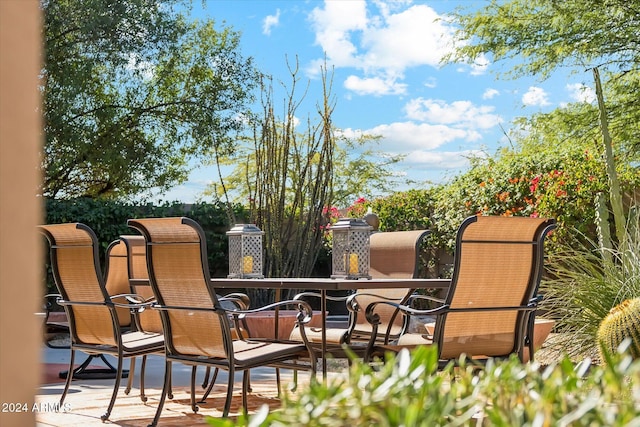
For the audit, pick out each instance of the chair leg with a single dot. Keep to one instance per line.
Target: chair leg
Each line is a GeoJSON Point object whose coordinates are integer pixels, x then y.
{"type": "Point", "coordinates": [295, 380]}
{"type": "Point", "coordinates": [143, 396]}
{"type": "Point", "coordinates": [227, 404]}
{"type": "Point", "coordinates": [115, 390]}
{"type": "Point", "coordinates": [165, 389]}
{"type": "Point", "coordinates": [132, 373]}
{"type": "Point", "coordinates": [67, 382]}
{"type": "Point", "coordinates": [211, 384]}
{"type": "Point", "coordinates": [194, 407]}
{"type": "Point", "coordinates": [205, 382]}
{"type": "Point", "coordinates": [245, 386]}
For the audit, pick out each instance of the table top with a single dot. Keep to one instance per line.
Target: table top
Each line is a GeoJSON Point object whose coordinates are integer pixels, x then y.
{"type": "Point", "coordinates": [330, 284]}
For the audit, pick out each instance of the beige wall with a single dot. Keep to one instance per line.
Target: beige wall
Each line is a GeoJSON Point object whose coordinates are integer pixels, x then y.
{"type": "Point", "coordinates": [20, 246]}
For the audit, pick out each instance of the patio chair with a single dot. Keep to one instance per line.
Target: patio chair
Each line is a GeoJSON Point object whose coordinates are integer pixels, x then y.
{"type": "Point", "coordinates": [133, 249]}
{"type": "Point", "coordinates": [196, 327]}
{"type": "Point", "coordinates": [94, 324]}
{"type": "Point", "coordinates": [393, 254]}
{"type": "Point", "coordinates": [57, 327]}
{"type": "Point", "coordinates": [489, 310]}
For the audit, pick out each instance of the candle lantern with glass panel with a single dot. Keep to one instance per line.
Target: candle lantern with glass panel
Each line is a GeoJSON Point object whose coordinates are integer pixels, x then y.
{"type": "Point", "coordinates": [350, 252]}
{"type": "Point", "coordinates": [245, 252]}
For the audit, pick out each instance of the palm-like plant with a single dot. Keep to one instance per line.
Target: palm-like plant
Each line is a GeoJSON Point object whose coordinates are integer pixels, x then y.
{"type": "Point", "coordinates": [585, 283]}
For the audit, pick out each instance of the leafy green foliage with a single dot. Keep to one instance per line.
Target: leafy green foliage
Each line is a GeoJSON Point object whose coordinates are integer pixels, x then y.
{"type": "Point", "coordinates": [408, 391]}
{"type": "Point", "coordinates": [109, 220]}
{"type": "Point", "coordinates": [410, 210]}
{"type": "Point", "coordinates": [545, 35]}
{"type": "Point", "coordinates": [132, 93]}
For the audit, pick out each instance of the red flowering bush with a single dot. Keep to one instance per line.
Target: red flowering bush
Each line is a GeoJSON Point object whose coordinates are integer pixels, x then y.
{"type": "Point", "coordinates": [515, 184]}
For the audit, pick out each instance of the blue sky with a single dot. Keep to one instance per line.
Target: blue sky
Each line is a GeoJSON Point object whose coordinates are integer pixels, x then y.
{"type": "Point", "coordinates": [388, 79]}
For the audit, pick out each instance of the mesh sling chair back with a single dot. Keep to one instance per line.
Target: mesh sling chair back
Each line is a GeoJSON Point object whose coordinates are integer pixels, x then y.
{"type": "Point", "coordinates": [490, 306]}
{"type": "Point", "coordinates": [126, 260]}
{"type": "Point", "coordinates": [135, 253]}
{"type": "Point", "coordinates": [196, 327]}
{"type": "Point", "coordinates": [93, 320]}
{"type": "Point", "coordinates": [394, 255]}
{"type": "Point", "coordinates": [116, 281]}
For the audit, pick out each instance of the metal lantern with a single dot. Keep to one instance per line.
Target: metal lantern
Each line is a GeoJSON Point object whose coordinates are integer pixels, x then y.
{"type": "Point", "coordinates": [245, 252]}
{"type": "Point", "coordinates": [350, 258]}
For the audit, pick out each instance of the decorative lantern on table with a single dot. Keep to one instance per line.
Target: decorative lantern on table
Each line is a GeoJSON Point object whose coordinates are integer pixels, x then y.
{"type": "Point", "coordinates": [350, 257]}
{"type": "Point", "coordinates": [245, 252]}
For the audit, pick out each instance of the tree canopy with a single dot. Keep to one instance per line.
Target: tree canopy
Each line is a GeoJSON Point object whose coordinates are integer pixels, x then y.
{"type": "Point", "coordinates": [546, 34]}
{"type": "Point", "coordinates": [542, 36]}
{"type": "Point", "coordinates": [133, 92]}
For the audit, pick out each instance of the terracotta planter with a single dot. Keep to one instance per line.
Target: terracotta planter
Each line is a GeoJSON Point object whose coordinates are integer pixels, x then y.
{"type": "Point", "coordinates": [262, 325]}
{"type": "Point", "coordinates": [541, 331]}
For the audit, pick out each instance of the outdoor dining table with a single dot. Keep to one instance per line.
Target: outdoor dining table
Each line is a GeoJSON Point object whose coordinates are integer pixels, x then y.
{"type": "Point", "coordinates": [323, 285]}
{"type": "Point", "coordinates": [327, 284]}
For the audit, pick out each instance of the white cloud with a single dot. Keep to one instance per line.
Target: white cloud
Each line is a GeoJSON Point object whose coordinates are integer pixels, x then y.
{"type": "Point", "coordinates": [403, 137]}
{"type": "Point", "coordinates": [490, 93]}
{"type": "Point", "coordinates": [382, 41]}
{"type": "Point", "coordinates": [442, 159]}
{"type": "Point", "coordinates": [412, 37]}
{"type": "Point", "coordinates": [333, 26]}
{"type": "Point", "coordinates": [480, 65]}
{"type": "Point", "coordinates": [535, 97]}
{"type": "Point", "coordinates": [374, 86]}
{"type": "Point", "coordinates": [581, 93]}
{"type": "Point", "coordinates": [270, 21]}
{"type": "Point", "coordinates": [462, 114]}
{"type": "Point", "coordinates": [431, 82]}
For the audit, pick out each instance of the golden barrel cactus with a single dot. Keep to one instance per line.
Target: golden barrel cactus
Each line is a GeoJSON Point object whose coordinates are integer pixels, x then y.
{"type": "Point", "coordinates": [623, 321]}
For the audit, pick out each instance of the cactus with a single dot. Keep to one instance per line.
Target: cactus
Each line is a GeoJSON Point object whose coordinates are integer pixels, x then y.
{"type": "Point", "coordinates": [623, 321]}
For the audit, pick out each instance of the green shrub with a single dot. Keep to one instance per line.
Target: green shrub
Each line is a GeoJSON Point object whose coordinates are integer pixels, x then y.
{"type": "Point", "coordinates": [409, 391]}
{"type": "Point", "coordinates": [584, 282]}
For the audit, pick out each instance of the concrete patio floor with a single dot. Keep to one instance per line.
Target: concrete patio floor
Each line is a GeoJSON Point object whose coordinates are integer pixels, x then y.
{"type": "Point", "coordinates": [87, 399]}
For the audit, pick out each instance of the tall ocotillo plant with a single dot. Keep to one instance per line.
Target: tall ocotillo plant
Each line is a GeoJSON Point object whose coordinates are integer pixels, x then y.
{"type": "Point", "coordinates": [291, 181]}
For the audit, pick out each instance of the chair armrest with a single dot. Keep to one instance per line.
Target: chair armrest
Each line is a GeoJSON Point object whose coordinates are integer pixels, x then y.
{"type": "Point", "coordinates": [352, 303]}
{"type": "Point", "coordinates": [317, 295]}
{"type": "Point", "coordinates": [536, 300]}
{"type": "Point", "coordinates": [49, 301]}
{"type": "Point", "coordinates": [136, 303]}
{"type": "Point", "coordinates": [304, 310]}
{"type": "Point", "coordinates": [415, 297]}
{"type": "Point", "coordinates": [239, 299]}
{"type": "Point", "coordinates": [373, 318]}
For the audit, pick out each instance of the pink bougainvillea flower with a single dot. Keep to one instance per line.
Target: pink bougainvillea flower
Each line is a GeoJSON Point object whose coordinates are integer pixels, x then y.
{"type": "Point", "coordinates": [534, 184]}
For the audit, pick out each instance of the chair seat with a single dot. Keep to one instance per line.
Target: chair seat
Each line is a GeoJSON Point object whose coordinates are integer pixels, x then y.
{"type": "Point", "coordinates": [142, 341]}
{"type": "Point", "coordinates": [255, 352]}
{"type": "Point", "coordinates": [314, 335]}
{"type": "Point", "coordinates": [409, 340]}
